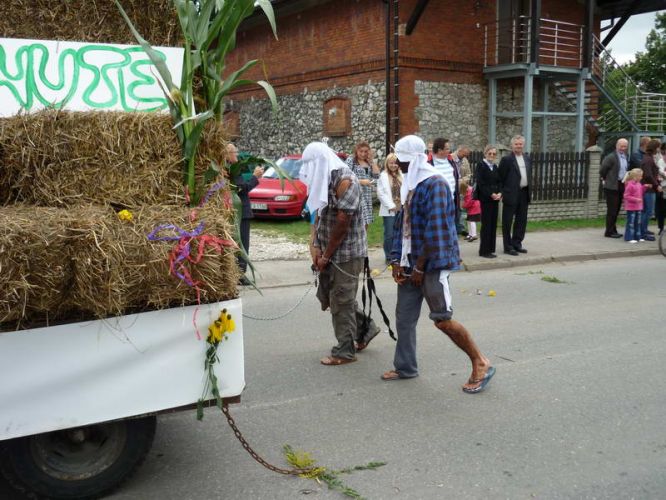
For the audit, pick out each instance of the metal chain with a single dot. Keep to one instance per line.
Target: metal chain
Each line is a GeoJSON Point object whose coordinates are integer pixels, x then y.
{"type": "Point", "coordinates": [280, 316]}
{"type": "Point", "coordinates": [254, 454]}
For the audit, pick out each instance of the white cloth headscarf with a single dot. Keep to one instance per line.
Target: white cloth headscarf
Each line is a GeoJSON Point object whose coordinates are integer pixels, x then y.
{"type": "Point", "coordinates": [318, 162]}
{"type": "Point", "coordinates": [412, 149]}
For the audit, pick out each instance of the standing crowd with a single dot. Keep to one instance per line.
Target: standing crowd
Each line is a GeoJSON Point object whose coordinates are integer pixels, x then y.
{"type": "Point", "coordinates": [637, 181]}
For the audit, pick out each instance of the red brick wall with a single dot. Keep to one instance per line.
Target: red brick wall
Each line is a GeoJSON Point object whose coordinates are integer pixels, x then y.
{"type": "Point", "coordinates": [340, 42]}
{"type": "Point", "coordinates": [447, 30]}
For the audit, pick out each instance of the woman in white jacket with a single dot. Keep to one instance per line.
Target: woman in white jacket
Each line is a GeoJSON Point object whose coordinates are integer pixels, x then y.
{"type": "Point", "coordinates": [388, 192]}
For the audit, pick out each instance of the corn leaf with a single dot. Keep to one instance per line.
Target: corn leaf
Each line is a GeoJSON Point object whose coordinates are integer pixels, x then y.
{"type": "Point", "coordinates": [268, 11]}
{"type": "Point", "coordinates": [270, 91]}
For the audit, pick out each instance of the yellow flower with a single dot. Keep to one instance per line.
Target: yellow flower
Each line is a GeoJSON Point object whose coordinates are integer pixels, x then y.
{"type": "Point", "coordinates": [220, 327]}
{"type": "Point", "coordinates": [125, 215]}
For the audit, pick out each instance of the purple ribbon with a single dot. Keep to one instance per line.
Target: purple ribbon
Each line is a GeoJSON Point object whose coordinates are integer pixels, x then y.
{"type": "Point", "coordinates": [215, 187]}
{"type": "Point", "coordinates": [181, 233]}
{"type": "Point", "coordinates": [182, 248]}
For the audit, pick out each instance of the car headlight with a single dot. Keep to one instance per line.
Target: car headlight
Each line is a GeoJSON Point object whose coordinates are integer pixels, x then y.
{"type": "Point", "coordinates": [285, 197]}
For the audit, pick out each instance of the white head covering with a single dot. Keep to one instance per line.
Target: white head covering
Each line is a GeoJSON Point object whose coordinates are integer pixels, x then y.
{"type": "Point", "coordinates": [412, 149]}
{"type": "Point", "coordinates": [318, 162]}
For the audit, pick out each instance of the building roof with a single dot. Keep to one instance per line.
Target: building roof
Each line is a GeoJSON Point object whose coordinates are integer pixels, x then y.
{"type": "Point", "coordinates": [610, 9]}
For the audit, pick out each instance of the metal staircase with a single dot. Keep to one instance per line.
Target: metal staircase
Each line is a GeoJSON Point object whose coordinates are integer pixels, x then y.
{"type": "Point", "coordinates": [613, 102]}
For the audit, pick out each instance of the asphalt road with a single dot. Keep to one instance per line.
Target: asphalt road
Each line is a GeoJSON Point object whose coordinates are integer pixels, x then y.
{"type": "Point", "coordinates": [576, 409]}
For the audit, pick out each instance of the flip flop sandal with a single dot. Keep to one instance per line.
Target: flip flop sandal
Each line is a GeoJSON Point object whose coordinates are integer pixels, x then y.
{"type": "Point", "coordinates": [333, 361]}
{"type": "Point", "coordinates": [391, 375]}
{"type": "Point", "coordinates": [482, 382]}
{"type": "Point", "coordinates": [394, 375]}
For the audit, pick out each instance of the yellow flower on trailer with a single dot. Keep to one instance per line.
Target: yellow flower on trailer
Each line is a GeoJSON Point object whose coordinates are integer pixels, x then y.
{"type": "Point", "coordinates": [125, 215]}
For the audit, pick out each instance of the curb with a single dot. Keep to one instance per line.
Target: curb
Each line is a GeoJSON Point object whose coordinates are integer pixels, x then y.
{"type": "Point", "coordinates": [503, 264]}
{"type": "Point", "coordinates": [500, 263]}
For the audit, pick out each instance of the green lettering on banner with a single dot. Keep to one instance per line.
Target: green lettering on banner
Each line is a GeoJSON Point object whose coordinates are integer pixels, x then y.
{"type": "Point", "coordinates": [119, 81]}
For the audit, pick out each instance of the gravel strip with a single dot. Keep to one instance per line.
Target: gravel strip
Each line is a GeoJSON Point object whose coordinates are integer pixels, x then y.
{"type": "Point", "coordinates": [269, 247]}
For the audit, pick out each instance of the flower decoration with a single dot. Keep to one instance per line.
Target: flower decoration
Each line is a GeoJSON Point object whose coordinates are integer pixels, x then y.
{"type": "Point", "coordinates": [217, 332]}
{"type": "Point", "coordinates": [125, 215]}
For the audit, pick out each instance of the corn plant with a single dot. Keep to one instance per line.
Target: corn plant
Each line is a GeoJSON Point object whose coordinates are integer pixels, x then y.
{"type": "Point", "coordinates": [209, 32]}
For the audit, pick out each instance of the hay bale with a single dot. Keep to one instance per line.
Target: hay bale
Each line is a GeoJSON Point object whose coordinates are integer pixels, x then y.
{"type": "Point", "coordinates": [62, 159]}
{"type": "Point", "coordinates": [84, 263]}
{"type": "Point", "coordinates": [33, 263]}
{"type": "Point", "coordinates": [116, 269]}
{"type": "Point", "coordinates": [96, 21]}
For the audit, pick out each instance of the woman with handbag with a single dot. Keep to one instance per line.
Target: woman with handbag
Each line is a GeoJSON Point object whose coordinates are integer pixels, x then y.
{"type": "Point", "coordinates": [489, 193]}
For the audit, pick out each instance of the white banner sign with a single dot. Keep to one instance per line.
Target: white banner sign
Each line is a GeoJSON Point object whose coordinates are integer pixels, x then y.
{"type": "Point", "coordinates": [35, 74]}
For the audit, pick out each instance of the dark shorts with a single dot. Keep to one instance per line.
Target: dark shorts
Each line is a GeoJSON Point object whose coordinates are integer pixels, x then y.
{"type": "Point", "coordinates": [437, 294]}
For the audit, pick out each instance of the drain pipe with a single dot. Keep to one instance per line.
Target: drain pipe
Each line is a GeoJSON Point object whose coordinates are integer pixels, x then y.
{"type": "Point", "coordinates": [396, 72]}
{"type": "Point", "coordinates": [392, 74]}
{"type": "Point", "coordinates": [387, 112]}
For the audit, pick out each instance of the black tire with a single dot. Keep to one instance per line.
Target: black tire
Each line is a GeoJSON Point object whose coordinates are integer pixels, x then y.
{"type": "Point", "coordinates": [81, 463]}
{"type": "Point", "coordinates": [662, 243]}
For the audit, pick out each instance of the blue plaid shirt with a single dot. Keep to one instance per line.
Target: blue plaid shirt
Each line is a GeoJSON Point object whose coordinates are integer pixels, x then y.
{"type": "Point", "coordinates": [433, 224]}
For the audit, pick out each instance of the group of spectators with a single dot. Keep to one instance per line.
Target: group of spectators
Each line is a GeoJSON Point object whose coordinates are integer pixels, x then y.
{"type": "Point", "coordinates": [639, 182]}
{"type": "Point", "coordinates": [474, 199]}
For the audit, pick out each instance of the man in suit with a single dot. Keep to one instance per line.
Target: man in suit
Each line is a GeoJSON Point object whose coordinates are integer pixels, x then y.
{"type": "Point", "coordinates": [514, 173]}
{"type": "Point", "coordinates": [613, 168]}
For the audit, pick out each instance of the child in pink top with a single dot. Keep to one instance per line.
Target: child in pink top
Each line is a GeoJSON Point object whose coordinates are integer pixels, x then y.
{"type": "Point", "coordinates": [633, 204]}
{"type": "Point", "coordinates": [473, 208]}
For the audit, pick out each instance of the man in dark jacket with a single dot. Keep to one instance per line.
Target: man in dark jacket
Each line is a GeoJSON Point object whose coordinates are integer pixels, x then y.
{"type": "Point", "coordinates": [243, 188]}
{"type": "Point", "coordinates": [637, 156]}
{"type": "Point", "coordinates": [613, 168]}
{"type": "Point", "coordinates": [515, 172]}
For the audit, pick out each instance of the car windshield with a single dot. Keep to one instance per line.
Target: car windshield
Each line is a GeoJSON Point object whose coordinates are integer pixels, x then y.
{"type": "Point", "coordinates": [291, 166]}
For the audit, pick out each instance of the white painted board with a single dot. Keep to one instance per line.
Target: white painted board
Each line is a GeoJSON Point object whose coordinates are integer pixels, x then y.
{"type": "Point", "coordinates": [78, 76]}
{"type": "Point", "coordinates": [81, 373]}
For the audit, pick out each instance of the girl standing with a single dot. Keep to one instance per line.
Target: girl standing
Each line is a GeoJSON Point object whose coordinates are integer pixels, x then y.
{"type": "Point", "coordinates": [473, 208]}
{"type": "Point", "coordinates": [633, 204]}
{"type": "Point", "coordinates": [361, 164]}
{"type": "Point", "coordinates": [388, 192]}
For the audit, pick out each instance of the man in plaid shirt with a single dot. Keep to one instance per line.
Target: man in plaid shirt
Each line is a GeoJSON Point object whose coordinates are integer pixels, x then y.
{"type": "Point", "coordinates": [340, 246]}
{"type": "Point", "coordinates": [425, 251]}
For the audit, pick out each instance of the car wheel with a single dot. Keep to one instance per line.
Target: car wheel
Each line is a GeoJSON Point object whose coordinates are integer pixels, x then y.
{"type": "Point", "coordinates": [80, 463]}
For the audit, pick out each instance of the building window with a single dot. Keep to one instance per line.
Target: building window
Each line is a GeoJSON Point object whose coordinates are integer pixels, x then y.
{"type": "Point", "coordinates": [337, 117]}
{"type": "Point", "coordinates": [232, 123]}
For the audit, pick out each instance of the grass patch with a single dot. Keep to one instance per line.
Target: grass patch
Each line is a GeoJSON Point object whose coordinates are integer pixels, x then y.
{"type": "Point", "coordinates": [559, 225]}
{"type": "Point", "coordinates": [552, 279]}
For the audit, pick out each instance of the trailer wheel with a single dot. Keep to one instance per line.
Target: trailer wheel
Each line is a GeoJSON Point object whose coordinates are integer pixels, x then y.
{"type": "Point", "coordinates": [79, 463]}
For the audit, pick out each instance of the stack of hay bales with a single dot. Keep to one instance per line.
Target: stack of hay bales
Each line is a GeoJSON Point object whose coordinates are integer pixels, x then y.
{"type": "Point", "coordinates": [65, 255]}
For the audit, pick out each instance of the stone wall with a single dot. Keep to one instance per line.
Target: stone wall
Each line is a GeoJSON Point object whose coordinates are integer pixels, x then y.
{"type": "Point", "coordinates": [457, 111]}
{"type": "Point", "coordinates": [300, 121]}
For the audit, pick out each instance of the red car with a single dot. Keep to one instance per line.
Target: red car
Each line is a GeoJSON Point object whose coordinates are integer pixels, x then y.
{"type": "Point", "coordinates": [269, 200]}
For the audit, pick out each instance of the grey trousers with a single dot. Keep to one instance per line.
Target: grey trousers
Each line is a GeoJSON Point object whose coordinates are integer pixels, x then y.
{"type": "Point", "coordinates": [337, 290]}
{"type": "Point", "coordinates": [435, 290]}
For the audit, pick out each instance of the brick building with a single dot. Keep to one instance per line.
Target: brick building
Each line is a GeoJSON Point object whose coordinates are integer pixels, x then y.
{"type": "Point", "coordinates": [475, 71]}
